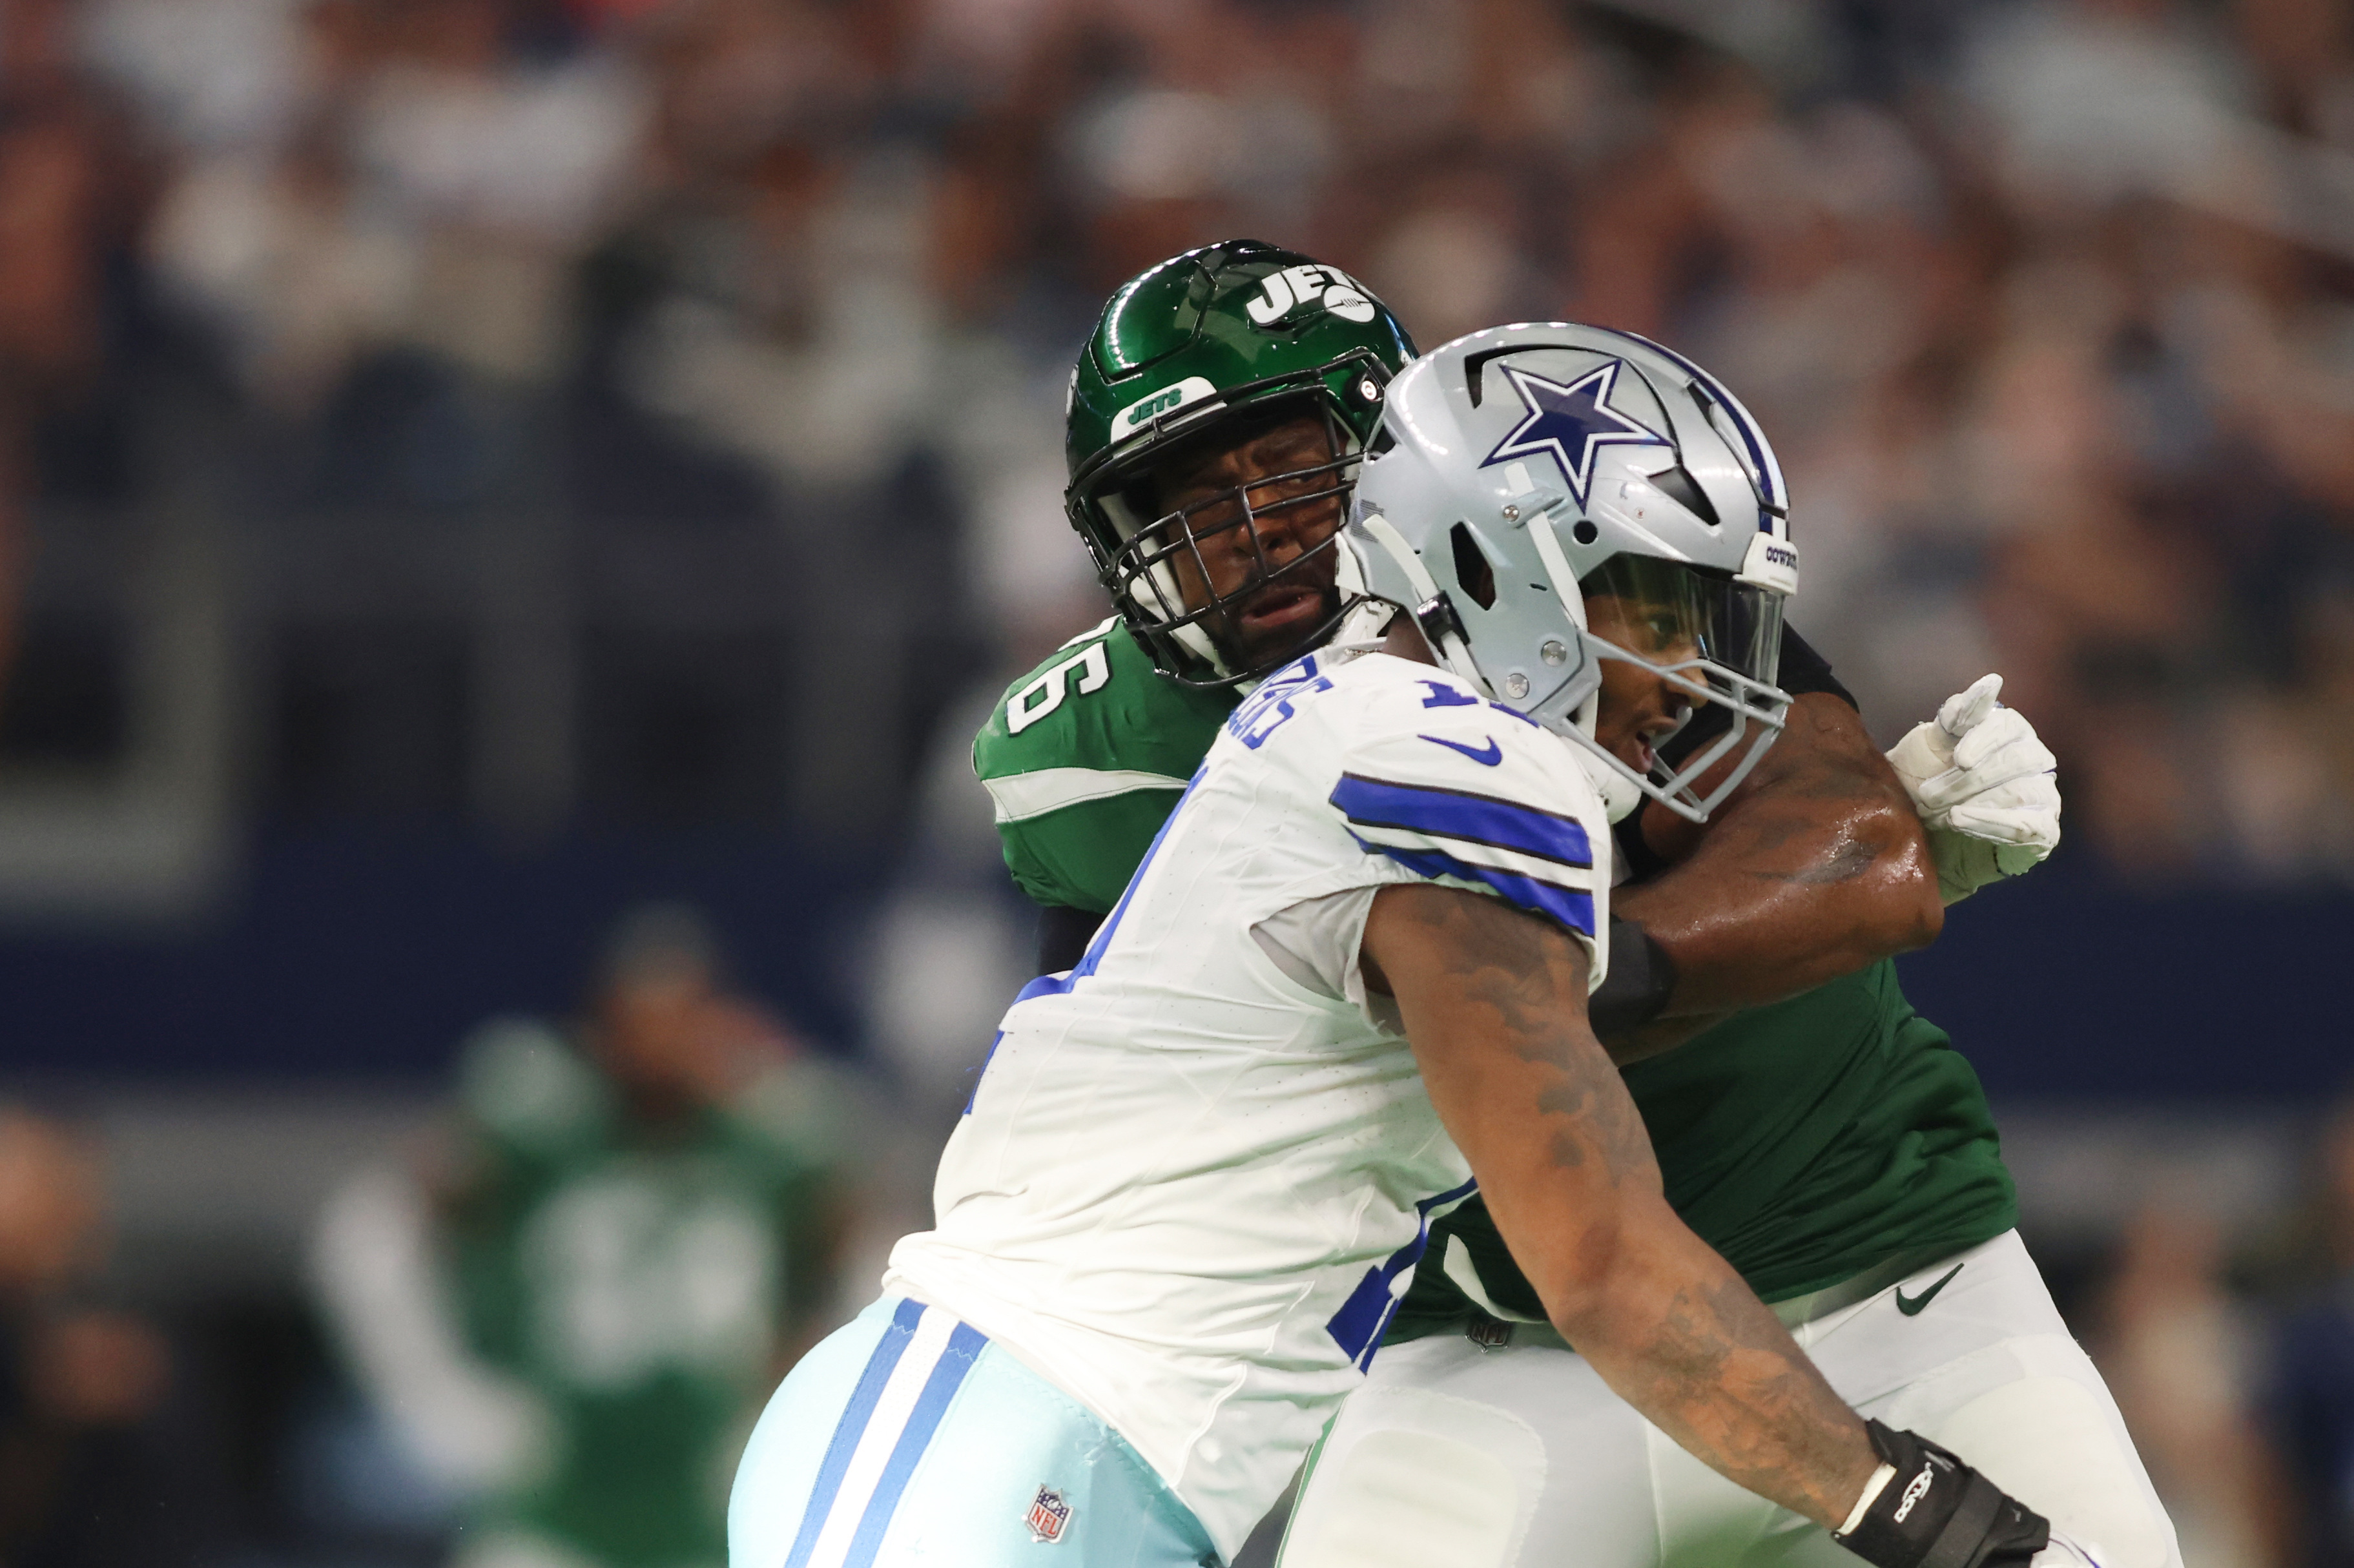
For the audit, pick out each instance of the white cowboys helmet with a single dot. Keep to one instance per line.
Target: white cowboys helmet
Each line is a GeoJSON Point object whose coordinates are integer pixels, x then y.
{"type": "Point", "coordinates": [1524, 467]}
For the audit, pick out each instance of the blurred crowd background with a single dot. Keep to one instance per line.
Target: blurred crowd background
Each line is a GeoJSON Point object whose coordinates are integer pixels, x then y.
{"type": "Point", "coordinates": [512, 510]}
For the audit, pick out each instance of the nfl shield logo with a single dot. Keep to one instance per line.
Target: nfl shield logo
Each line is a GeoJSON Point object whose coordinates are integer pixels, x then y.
{"type": "Point", "coordinates": [1488, 1333]}
{"type": "Point", "coordinates": [1049, 1515]}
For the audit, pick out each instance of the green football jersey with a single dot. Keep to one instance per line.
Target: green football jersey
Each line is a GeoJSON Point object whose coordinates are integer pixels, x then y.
{"type": "Point", "coordinates": [1806, 1141]}
{"type": "Point", "coordinates": [1084, 760]}
{"type": "Point", "coordinates": [639, 1282]}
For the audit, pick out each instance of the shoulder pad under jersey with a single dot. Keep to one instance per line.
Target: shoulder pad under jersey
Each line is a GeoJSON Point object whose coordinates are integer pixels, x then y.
{"type": "Point", "coordinates": [1083, 758]}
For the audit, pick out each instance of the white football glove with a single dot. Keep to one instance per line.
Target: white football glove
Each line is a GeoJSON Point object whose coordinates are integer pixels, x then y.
{"type": "Point", "coordinates": [1987, 787]}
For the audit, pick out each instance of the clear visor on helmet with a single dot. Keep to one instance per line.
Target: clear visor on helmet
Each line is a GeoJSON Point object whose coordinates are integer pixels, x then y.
{"type": "Point", "coordinates": [1688, 660]}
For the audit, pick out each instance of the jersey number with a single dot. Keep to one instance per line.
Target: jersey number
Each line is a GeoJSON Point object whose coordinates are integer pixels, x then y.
{"type": "Point", "coordinates": [1045, 695]}
{"type": "Point", "coordinates": [625, 1278]}
{"type": "Point", "coordinates": [1269, 708]}
{"type": "Point", "coordinates": [1357, 1327]}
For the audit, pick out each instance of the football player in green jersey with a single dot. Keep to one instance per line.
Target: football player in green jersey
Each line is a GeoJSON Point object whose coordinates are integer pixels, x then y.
{"type": "Point", "coordinates": [1808, 1124]}
{"type": "Point", "coordinates": [1239, 361]}
{"type": "Point", "coordinates": [573, 1311]}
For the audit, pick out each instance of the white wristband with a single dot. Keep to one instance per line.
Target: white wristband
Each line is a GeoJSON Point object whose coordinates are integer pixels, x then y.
{"type": "Point", "coordinates": [1872, 1491]}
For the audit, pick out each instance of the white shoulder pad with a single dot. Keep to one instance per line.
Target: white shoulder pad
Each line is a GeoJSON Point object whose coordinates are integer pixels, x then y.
{"type": "Point", "coordinates": [1458, 789]}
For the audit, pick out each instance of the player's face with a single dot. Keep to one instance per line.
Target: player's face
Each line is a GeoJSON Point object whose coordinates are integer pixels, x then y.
{"type": "Point", "coordinates": [1637, 707]}
{"type": "Point", "coordinates": [1259, 513]}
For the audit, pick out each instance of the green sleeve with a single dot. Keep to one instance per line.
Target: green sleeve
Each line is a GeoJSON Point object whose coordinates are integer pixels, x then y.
{"type": "Point", "coordinates": [1083, 758]}
{"type": "Point", "coordinates": [1083, 855]}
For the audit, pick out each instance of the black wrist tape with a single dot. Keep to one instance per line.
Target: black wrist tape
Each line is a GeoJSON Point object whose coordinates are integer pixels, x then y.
{"type": "Point", "coordinates": [1937, 1512]}
{"type": "Point", "coordinates": [1636, 989]}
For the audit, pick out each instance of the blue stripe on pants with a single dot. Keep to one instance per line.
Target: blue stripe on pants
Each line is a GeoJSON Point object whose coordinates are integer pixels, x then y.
{"type": "Point", "coordinates": [964, 1344]}
{"type": "Point", "coordinates": [1001, 1431]}
{"type": "Point", "coordinates": [853, 1426]}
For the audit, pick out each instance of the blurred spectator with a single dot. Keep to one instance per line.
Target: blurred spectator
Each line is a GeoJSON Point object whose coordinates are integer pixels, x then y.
{"type": "Point", "coordinates": [2311, 1405]}
{"type": "Point", "coordinates": [2046, 306]}
{"type": "Point", "coordinates": [573, 1314]}
{"type": "Point", "coordinates": [2181, 1357]}
{"type": "Point", "coordinates": [78, 1384]}
{"type": "Point", "coordinates": [69, 204]}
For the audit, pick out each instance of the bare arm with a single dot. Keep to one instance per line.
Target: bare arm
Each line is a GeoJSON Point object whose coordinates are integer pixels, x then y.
{"type": "Point", "coordinates": [1494, 1003]}
{"type": "Point", "coordinates": [1816, 867]}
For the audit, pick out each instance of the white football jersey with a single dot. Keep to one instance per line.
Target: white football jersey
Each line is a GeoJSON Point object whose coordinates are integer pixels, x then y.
{"type": "Point", "coordinates": [1198, 1169]}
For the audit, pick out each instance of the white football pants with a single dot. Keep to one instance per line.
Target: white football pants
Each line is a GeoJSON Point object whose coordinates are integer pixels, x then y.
{"type": "Point", "coordinates": [1456, 1457]}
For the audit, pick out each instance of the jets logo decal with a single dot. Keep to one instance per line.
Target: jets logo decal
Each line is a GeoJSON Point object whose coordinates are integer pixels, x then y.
{"type": "Point", "coordinates": [1295, 288]}
{"type": "Point", "coordinates": [1154, 406]}
{"type": "Point", "coordinates": [1570, 422]}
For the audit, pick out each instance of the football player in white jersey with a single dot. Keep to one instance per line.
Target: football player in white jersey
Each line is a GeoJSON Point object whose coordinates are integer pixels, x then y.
{"type": "Point", "coordinates": [1346, 988]}
{"type": "Point", "coordinates": [1500, 1418]}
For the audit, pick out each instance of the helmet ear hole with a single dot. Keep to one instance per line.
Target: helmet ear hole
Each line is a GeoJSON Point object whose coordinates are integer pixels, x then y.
{"type": "Point", "coordinates": [1678, 486]}
{"type": "Point", "coordinates": [1473, 569]}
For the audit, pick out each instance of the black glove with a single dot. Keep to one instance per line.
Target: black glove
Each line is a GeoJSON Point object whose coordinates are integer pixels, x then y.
{"type": "Point", "coordinates": [1937, 1512]}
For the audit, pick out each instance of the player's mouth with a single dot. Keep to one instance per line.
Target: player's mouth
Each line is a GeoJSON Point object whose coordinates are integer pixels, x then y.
{"type": "Point", "coordinates": [1278, 609]}
{"type": "Point", "coordinates": [1643, 744]}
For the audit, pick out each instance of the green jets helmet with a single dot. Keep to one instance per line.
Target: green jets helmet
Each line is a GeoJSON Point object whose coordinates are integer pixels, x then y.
{"type": "Point", "coordinates": [1200, 354]}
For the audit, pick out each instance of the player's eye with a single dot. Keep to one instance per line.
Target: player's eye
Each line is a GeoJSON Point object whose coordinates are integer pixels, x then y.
{"type": "Point", "coordinates": [1211, 512]}
{"type": "Point", "coordinates": [1284, 491]}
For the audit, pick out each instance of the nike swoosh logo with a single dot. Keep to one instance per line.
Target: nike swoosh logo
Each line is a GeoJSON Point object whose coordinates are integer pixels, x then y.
{"type": "Point", "coordinates": [1493, 754]}
{"type": "Point", "coordinates": [1911, 1306]}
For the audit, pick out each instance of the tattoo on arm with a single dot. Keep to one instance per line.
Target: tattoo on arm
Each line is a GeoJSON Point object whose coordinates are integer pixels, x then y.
{"type": "Point", "coordinates": [1521, 980]}
{"type": "Point", "coordinates": [1722, 1376]}
{"type": "Point", "coordinates": [1494, 1002]}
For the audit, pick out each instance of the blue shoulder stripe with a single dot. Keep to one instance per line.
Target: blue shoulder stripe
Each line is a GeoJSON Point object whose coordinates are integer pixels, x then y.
{"type": "Point", "coordinates": [1570, 906]}
{"type": "Point", "coordinates": [1462, 815]}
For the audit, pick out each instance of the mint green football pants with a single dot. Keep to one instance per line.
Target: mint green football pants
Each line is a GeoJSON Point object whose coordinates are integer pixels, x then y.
{"type": "Point", "coordinates": [908, 1437]}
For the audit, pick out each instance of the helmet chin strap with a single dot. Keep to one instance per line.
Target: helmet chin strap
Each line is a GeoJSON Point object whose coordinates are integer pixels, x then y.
{"type": "Point", "coordinates": [1446, 642]}
{"type": "Point", "coordinates": [1363, 626]}
{"type": "Point", "coordinates": [1365, 619]}
{"type": "Point", "coordinates": [1203, 646]}
{"type": "Point", "coordinates": [1612, 780]}
{"type": "Point", "coordinates": [1621, 791]}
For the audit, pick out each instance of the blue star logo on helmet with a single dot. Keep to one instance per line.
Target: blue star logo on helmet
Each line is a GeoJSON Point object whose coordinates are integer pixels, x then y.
{"type": "Point", "coordinates": [1570, 423]}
